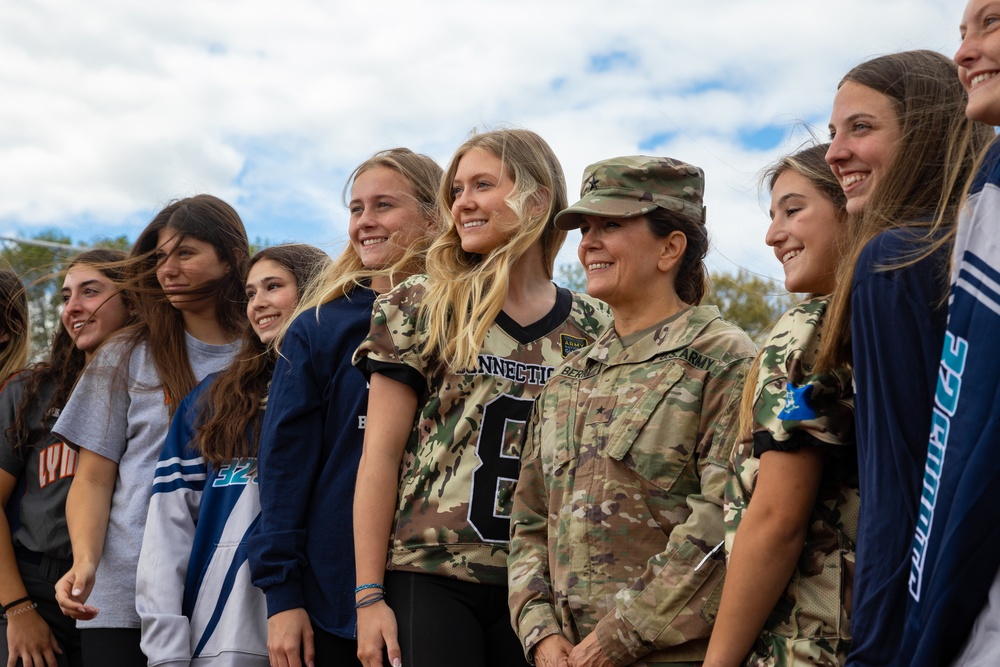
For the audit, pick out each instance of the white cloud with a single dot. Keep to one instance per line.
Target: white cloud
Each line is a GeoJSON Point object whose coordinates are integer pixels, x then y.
{"type": "Point", "coordinates": [112, 108]}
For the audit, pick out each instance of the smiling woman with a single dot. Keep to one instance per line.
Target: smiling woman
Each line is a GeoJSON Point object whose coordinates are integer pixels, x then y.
{"type": "Point", "coordinates": [625, 459]}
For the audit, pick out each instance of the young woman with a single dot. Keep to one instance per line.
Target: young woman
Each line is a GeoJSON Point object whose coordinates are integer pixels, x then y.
{"type": "Point", "coordinates": [184, 272]}
{"type": "Point", "coordinates": [615, 552]}
{"type": "Point", "coordinates": [455, 359]}
{"type": "Point", "coordinates": [15, 338]}
{"type": "Point", "coordinates": [301, 551]}
{"type": "Point", "coordinates": [959, 549]}
{"type": "Point", "coordinates": [193, 590]}
{"type": "Point", "coordinates": [901, 148]}
{"type": "Point", "coordinates": [36, 468]}
{"type": "Point", "coordinates": [792, 494]}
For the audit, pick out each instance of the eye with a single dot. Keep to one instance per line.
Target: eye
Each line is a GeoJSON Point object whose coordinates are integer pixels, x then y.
{"type": "Point", "coordinates": [251, 293]}
{"type": "Point", "coordinates": [480, 185]}
{"type": "Point", "coordinates": [456, 190]}
{"type": "Point", "coordinates": [160, 256]}
{"type": "Point", "coordinates": [612, 224]}
{"type": "Point", "coordinates": [584, 229]}
{"type": "Point", "coordinates": [356, 210]}
{"type": "Point", "coordinates": [792, 211]}
{"type": "Point", "coordinates": [861, 127]}
{"type": "Point", "coordinates": [384, 204]}
{"type": "Point", "coordinates": [274, 286]}
{"type": "Point", "coordinates": [65, 298]}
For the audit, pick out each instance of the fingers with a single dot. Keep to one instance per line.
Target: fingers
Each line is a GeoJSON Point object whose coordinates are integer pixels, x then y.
{"type": "Point", "coordinates": [308, 646]}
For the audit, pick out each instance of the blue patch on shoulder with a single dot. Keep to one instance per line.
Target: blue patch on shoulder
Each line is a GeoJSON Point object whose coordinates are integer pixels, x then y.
{"type": "Point", "coordinates": [797, 403]}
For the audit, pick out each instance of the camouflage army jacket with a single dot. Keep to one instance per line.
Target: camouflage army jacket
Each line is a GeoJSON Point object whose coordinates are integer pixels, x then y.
{"type": "Point", "coordinates": [810, 623]}
{"type": "Point", "coordinates": [619, 502]}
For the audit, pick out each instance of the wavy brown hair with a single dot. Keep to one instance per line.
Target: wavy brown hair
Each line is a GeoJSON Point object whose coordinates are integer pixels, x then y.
{"type": "Point", "coordinates": [231, 411]}
{"type": "Point", "coordinates": [65, 362]}
{"type": "Point", "coordinates": [466, 290]}
{"type": "Point", "coordinates": [14, 302]}
{"type": "Point", "coordinates": [207, 219]}
{"type": "Point", "coordinates": [923, 185]}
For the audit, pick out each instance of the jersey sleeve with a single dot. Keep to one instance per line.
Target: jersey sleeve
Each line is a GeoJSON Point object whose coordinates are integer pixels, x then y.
{"type": "Point", "coordinates": [96, 415]}
{"type": "Point", "coordinates": [395, 342]}
{"type": "Point", "coordinates": [795, 405]}
{"type": "Point", "coordinates": [171, 521]}
{"type": "Point", "coordinates": [10, 396]}
{"type": "Point", "coordinates": [288, 460]}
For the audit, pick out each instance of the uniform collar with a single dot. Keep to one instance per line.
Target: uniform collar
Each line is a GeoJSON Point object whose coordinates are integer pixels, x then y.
{"type": "Point", "coordinates": [675, 333]}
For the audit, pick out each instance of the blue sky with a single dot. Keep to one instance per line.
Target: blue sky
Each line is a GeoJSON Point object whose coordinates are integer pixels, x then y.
{"type": "Point", "coordinates": [113, 108]}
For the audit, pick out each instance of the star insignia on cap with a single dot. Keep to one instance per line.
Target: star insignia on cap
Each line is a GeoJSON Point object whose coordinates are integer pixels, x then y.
{"type": "Point", "coordinates": [592, 183]}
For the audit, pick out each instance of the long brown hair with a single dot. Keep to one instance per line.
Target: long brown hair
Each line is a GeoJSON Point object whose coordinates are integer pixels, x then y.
{"type": "Point", "coordinates": [65, 362]}
{"type": "Point", "coordinates": [922, 189]}
{"type": "Point", "coordinates": [810, 163]}
{"type": "Point", "coordinates": [466, 290]}
{"type": "Point", "coordinates": [207, 219]}
{"type": "Point", "coordinates": [14, 304]}
{"type": "Point", "coordinates": [230, 412]}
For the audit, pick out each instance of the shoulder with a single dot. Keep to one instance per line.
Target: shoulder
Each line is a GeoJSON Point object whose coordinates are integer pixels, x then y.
{"type": "Point", "coordinates": [409, 292]}
{"type": "Point", "coordinates": [718, 338]}
{"type": "Point", "coordinates": [592, 316]}
{"type": "Point", "coordinates": [989, 169]}
{"type": "Point", "coordinates": [798, 326]}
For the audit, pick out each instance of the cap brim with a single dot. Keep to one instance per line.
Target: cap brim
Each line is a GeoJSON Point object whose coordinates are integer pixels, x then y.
{"type": "Point", "coordinates": [602, 207]}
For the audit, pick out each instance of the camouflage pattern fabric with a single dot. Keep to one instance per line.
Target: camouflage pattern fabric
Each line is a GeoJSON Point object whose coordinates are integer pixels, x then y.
{"type": "Point", "coordinates": [810, 623]}
{"type": "Point", "coordinates": [618, 509]}
{"type": "Point", "coordinates": [461, 462]}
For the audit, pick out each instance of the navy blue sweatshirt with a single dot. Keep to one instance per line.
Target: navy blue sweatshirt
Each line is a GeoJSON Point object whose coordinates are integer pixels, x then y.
{"type": "Point", "coordinates": [302, 550]}
{"type": "Point", "coordinates": [897, 327]}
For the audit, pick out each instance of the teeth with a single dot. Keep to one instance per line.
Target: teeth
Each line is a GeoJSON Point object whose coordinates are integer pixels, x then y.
{"type": "Point", "coordinates": [473, 223]}
{"type": "Point", "coordinates": [788, 255]}
{"type": "Point", "coordinates": [979, 78]}
{"type": "Point", "coordinates": [266, 320]}
{"type": "Point", "coordinates": [368, 242]}
{"type": "Point", "coordinates": [78, 325]}
{"type": "Point", "coordinates": [852, 179]}
{"type": "Point", "coordinates": [600, 265]}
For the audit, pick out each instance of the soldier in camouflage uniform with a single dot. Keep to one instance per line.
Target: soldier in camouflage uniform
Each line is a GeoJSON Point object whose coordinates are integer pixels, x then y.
{"type": "Point", "coordinates": [787, 598]}
{"type": "Point", "coordinates": [617, 525]}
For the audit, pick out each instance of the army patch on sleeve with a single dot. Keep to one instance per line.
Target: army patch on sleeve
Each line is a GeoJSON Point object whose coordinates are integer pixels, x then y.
{"type": "Point", "coordinates": [571, 344]}
{"type": "Point", "coordinates": [797, 405]}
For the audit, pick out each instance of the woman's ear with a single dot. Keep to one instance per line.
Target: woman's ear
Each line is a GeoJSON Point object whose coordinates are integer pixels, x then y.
{"type": "Point", "coordinates": [672, 251]}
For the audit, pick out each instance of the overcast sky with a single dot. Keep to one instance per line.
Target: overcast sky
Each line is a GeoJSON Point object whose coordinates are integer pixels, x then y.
{"type": "Point", "coordinates": [109, 109]}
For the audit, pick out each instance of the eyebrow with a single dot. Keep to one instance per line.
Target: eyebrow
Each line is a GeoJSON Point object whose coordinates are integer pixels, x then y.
{"type": "Point", "coordinates": [263, 280]}
{"type": "Point", "coordinates": [85, 283]}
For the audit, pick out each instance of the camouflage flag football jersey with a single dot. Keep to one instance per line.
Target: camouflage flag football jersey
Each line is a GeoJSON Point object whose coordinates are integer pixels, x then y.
{"type": "Point", "coordinates": [461, 462]}
{"type": "Point", "coordinates": [794, 408]}
{"type": "Point", "coordinates": [617, 517]}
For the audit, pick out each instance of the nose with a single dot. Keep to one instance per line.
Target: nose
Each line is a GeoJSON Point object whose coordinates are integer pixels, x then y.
{"type": "Point", "coordinates": [967, 51]}
{"type": "Point", "coordinates": [589, 239]}
{"type": "Point", "coordinates": [72, 304]}
{"type": "Point", "coordinates": [776, 233]}
{"type": "Point", "coordinates": [258, 301]}
{"type": "Point", "coordinates": [463, 202]}
{"type": "Point", "coordinates": [168, 265]}
{"type": "Point", "coordinates": [837, 152]}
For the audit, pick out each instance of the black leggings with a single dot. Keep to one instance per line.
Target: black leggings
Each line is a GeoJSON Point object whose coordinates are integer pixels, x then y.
{"type": "Point", "coordinates": [334, 651]}
{"type": "Point", "coordinates": [40, 574]}
{"type": "Point", "coordinates": [444, 622]}
{"type": "Point", "coordinates": [112, 647]}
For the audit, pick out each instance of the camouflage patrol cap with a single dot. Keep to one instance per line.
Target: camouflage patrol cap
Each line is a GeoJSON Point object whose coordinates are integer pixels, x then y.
{"type": "Point", "coordinates": [623, 187]}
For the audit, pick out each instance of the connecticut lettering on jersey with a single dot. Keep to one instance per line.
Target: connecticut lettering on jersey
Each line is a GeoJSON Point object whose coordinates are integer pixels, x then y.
{"type": "Point", "coordinates": [515, 371]}
{"type": "Point", "coordinates": [945, 400]}
{"type": "Point", "coordinates": [56, 462]}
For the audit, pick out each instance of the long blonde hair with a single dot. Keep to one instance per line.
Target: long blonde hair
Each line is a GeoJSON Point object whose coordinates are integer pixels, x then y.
{"type": "Point", "coordinates": [922, 188]}
{"type": "Point", "coordinates": [465, 290]}
{"type": "Point", "coordinates": [347, 271]}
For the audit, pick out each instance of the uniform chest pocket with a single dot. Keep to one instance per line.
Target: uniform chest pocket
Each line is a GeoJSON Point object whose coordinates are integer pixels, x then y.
{"type": "Point", "coordinates": [655, 435]}
{"type": "Point", "coordinates": [556, 411]}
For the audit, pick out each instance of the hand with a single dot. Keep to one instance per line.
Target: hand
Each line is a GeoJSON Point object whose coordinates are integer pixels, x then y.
{"type": "Point", "coordinates": [73, 590]}
{"type": "Point", "coordinates": [30, 641]}
{"type": "Point", "coordinates": [553, 651]}
{"type": "Point", "coordinates": [289, 636]}
{"type": "Point", "coordinates": [377, 629]}
{"type": "Point", "coordinates": [589, 653]}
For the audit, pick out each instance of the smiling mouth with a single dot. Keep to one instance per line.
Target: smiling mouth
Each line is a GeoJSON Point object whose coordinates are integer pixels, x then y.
{"type": "Point", "coordinates": [267, 320]}
{"type": "Point", "coordinates": [852, 179]}
{"type": "Point", "coordinates": [979, 78]}
{"type": "Point", "coordinates": [371, 242]}
{"type": "Point", "coordinates": [473, 223]}
{"type": "Point", "coordinates": [788, 255]}
{"type": "Point", "coordinates": [598, 265]}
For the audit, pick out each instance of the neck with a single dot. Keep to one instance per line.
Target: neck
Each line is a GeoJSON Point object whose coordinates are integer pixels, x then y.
{"type": "Point", "coordinates": [642, 314]}
{"type": "Point", "coordinates": [530, 292]}
{"type": "Point", "coordinates": [206, 328]}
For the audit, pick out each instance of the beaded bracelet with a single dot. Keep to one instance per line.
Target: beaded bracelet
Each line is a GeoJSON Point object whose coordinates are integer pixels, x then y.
{"type": "Point", "coordinates": [8, 614]}
{"type": "Point", "coordinates": [369, 600]}
{"type": "Point", "coordinates": [16, 602]}
{"type": "Point", "coordinates": [367, 586]}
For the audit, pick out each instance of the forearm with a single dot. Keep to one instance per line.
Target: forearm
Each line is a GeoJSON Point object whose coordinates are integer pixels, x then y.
{"type": "Point", "coordinates": [88, 507]}
{"type": "Point", "coordinates": [762, 562]}
{"type": "Point", "coordinates": [374, 508]}
{"type": "Point", "coordinates": [11, 585]}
